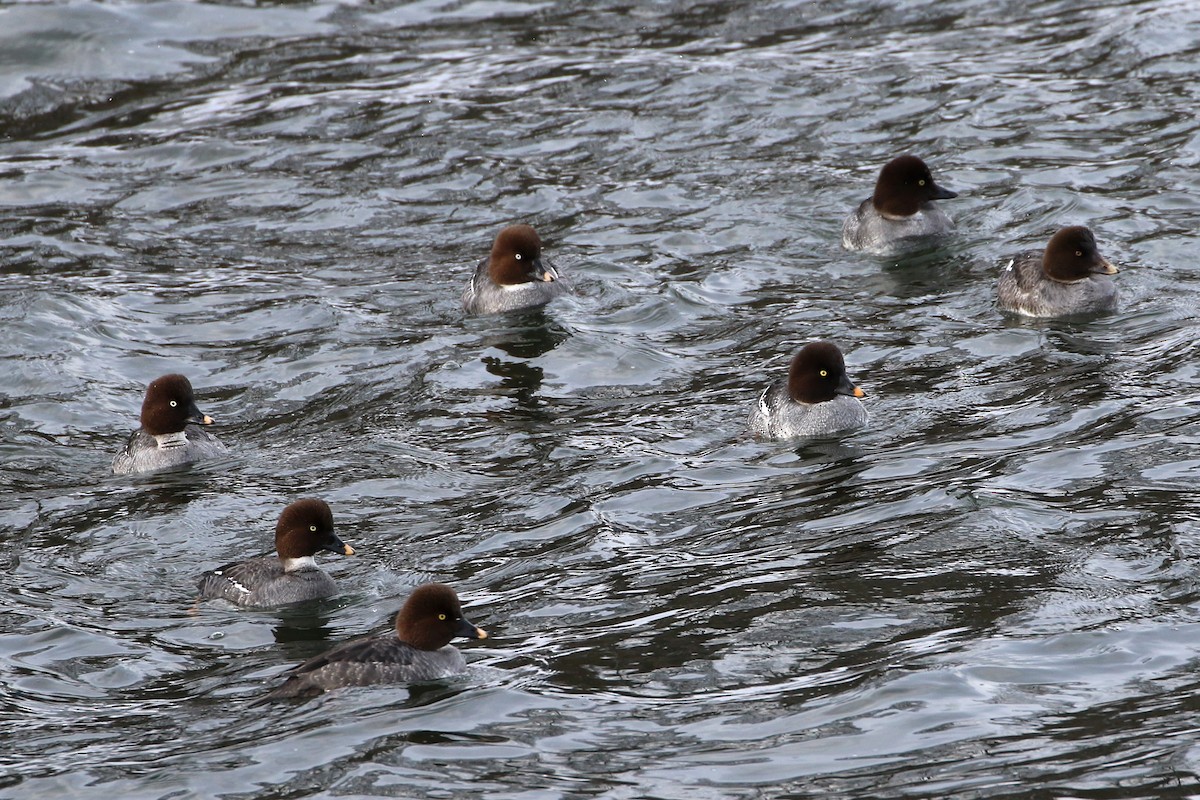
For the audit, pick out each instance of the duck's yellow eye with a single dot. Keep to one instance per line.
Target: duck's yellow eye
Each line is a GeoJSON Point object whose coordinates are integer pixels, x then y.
{"type": "Point", "coordinates": [1079, 254]}
{"type": "Point", "coordinates": [173, 404]}
{"type": "Point", "coordinates": [921, 182]}
{"type": "Point", "coordinates": [518, 256]}
{"type": "Point", "coordinates": [442, 617]}
{"type": "Point", "coordinates": [312, 528]}
{"type": "Point", "coordinates": [824, 373]}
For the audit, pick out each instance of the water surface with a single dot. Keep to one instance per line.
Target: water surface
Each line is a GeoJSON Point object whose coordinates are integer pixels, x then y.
{"type": "Point", "coordinates": [991, 592]}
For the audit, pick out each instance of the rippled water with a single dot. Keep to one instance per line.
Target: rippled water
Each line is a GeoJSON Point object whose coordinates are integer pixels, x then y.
{"type": "Point", "coordinates": [991, 592]}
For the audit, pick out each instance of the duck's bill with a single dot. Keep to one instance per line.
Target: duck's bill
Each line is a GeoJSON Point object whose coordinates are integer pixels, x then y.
{"type": "Point", "coordinates": [849, 389]}
{"type": "Point", "coordinates": [544, 271]}
{"type": "Point", "coordinates": [199, 417]}
{"type": "Point", "coordinates": [339, 547]}
{"type": "Point", "coordinates": [468, 630]}
{"type": "Point", "coordinates": [943, 194]}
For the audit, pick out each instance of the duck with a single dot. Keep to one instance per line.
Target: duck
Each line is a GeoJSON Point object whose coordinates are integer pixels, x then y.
{"type": "Point", "coordinates": [901, 214]}
{"type": "Point", "coordinates": [305, 527]}
{"type": "Point", "coordinates": [1068, 278]}
{"type": "Point", "coordinates": [170, 434]}
{"type": "Point", "coordinates": [514, 277]}
{"type": "Point", "coordinates": [816, 399]}
{"type": "Point", "coordinates": [417, 650]}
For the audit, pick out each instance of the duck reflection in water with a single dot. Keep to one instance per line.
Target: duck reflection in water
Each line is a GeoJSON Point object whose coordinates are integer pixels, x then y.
{"type": "Point", "coordinates": [303, 628]}
{"type": "Point", "coordinates": [530, 335]}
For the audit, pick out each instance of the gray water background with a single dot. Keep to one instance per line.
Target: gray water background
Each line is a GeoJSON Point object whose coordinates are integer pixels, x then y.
{"type": "Point", "coordinates": [990, 592]}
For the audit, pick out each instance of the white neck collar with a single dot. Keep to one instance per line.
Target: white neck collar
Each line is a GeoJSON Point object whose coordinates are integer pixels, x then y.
{"type": "Point", "coordinates": [302, 564]}
{"type": "Point", "coordinates": [168, 440]}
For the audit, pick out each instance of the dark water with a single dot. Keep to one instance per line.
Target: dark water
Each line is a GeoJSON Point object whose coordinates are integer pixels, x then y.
{"type": "Point", "coordinates": [991, 592]}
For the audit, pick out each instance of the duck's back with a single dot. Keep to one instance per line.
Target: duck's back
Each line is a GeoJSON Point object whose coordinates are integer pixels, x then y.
{"type": "Point", "coordinates": [763, 412]}
{"type": "Point", "coordinates": [262, 583]}
{"type": "Point", "coordinates": [869, 231]}
{"type": "Point", "coordinates": [142, 453]}
{"type": "Point", "coordinates": [485, 296]}
{"type": "Point", "coordinates": [471, 295]}
{"type": "Point", "coordinates": [366, 662]}
{"type": "Point", "coordinates": [777, 416]}
{"type": "Point", "coordinates": [1024, 288]}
